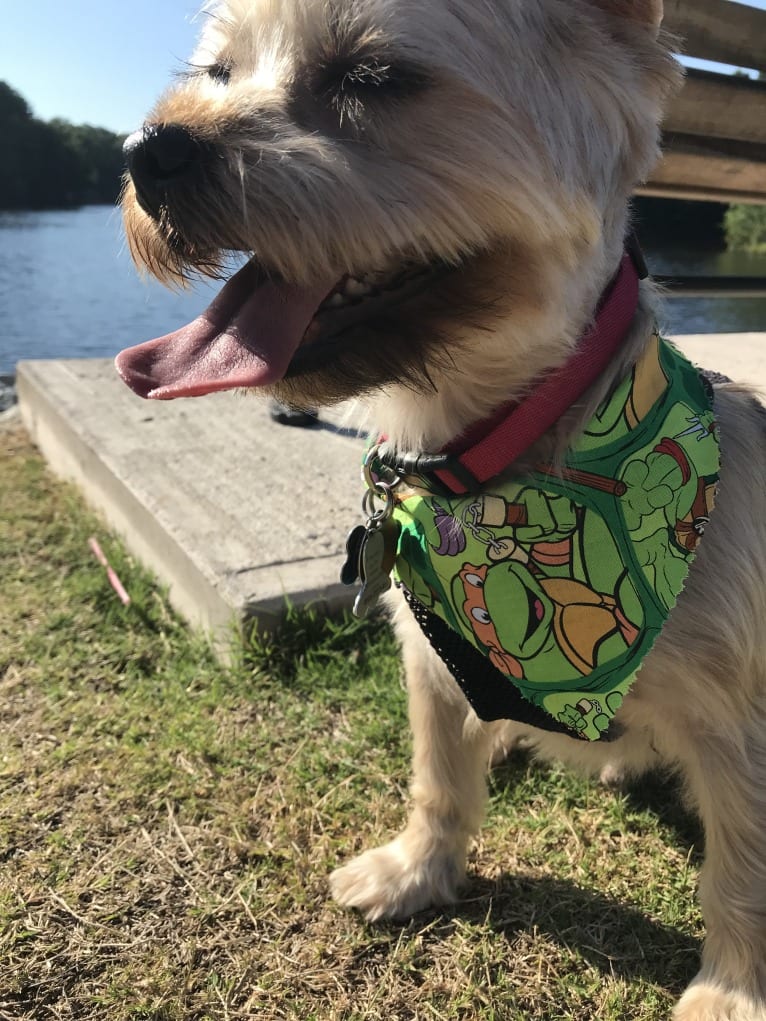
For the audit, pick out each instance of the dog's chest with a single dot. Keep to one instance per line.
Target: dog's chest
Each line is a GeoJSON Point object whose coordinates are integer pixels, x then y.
{"type": "Point", "coordinates": [562, 579]}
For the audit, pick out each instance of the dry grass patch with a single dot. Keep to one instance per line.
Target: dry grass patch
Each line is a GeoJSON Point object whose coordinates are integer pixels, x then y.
{"type": "Point", "coordinates": [168, 824]}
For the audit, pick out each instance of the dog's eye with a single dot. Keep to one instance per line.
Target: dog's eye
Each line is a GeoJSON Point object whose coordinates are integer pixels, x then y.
{"type": "Point", "coordinates": [364, 76]}
{"type": "Point", "coordinates": [348, 84]}
{"type": "Point", "coordinates": [395, 79]}
{"type": "Point", "coordinates": [220, 73]}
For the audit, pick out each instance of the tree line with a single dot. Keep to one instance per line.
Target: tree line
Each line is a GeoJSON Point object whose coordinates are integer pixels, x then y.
{"type": "Point", "coordinates": [54, 164]}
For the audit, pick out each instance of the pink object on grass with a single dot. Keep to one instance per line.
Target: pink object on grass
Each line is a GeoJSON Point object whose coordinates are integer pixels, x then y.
{"type": "Point", "coordinates": [114, 581]}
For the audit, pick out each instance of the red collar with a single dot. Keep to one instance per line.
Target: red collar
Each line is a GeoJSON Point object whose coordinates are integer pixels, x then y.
{"type": "Point", "coordinates": [489, 447]}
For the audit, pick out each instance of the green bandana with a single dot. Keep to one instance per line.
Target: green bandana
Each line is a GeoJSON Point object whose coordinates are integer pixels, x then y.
{"type": "Point", "coordinates": [564, 578]}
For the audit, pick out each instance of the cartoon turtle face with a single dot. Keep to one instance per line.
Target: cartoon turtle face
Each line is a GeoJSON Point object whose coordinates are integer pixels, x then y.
{"type": "Point", "coordinates": [469, 587]}
{"type": "Point", "coordinates": [505, 607]}
{"type": "Point", "coordinates": [522, 612]}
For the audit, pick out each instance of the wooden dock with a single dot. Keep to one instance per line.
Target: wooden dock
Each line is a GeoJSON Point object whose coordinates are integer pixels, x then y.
{"type": "Point", "coordinates": [715, 130]}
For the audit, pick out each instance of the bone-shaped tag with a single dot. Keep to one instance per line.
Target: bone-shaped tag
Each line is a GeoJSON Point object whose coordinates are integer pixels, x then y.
{"type": "Point", "coordinates": [349, 573]}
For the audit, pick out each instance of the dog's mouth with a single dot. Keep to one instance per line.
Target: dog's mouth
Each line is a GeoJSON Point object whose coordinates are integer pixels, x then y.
{"type": "Point", "coordinates": [260, 330]}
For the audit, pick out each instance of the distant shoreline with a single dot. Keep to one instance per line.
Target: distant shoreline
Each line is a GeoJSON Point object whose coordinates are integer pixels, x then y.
{"type": "Point", "coordinates": [59, 208]}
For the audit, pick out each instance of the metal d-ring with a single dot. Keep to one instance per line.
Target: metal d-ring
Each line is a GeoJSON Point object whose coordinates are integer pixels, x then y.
{"type": "Point", "coordinates": [377, 489]}
{"type": "Point", "coordinates": [375, 482]}
{"type": "Point", "coordinates": [377, 517]}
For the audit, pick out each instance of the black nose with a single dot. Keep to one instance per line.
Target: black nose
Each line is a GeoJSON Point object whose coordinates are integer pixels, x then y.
{"type": "Point", "coordinates": [161, 157]}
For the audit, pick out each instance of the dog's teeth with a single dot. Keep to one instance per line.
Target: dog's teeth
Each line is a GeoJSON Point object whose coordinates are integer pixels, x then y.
{"type": "Point", "coordinates": [356, 288]}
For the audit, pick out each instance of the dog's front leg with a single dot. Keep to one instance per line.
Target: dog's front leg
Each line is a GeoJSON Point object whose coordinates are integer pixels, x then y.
{"type": "Point", "coordinates": [425, 864]}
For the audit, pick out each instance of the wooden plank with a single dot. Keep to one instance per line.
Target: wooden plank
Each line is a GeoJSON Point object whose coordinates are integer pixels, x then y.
{"type": "Point", "coordinates": [690, 193]}
{"type": "Point", "coordinates": [730, 33]}
{"type": "Point", "coordinates": [715, 130]}
{"type": "Point", "coordinates": [720, 106]}
{"type": "Point", "coordinates": [696, 169]}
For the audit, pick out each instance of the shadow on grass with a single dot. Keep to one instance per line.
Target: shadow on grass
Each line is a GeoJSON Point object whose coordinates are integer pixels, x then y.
{"type": "Point", "coordinates": [663, 797]}
{"type": "Point", "coordinates": [615, 938]}
{"type": "Point", "coordinates": [309, 632]}
{"type": "Point", "coordinates": [659, 793]}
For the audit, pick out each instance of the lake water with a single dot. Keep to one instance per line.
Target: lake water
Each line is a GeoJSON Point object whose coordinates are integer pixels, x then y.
{"type": "Point", "coordinates": [69, 289]}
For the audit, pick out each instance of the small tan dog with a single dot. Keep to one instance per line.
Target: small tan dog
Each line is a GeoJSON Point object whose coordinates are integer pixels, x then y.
{"type": "Point", "coordinates": [434, 195]}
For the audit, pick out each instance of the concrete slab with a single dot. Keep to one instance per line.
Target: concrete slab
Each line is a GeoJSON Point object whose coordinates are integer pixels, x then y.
{"type": "Point", "coordinates": [741, 356]}
{"type": "Point", "coordinates": [232, 511]}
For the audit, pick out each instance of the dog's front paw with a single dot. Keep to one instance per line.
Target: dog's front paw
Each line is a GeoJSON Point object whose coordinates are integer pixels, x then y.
{"type": "Point", "coordinates": [392, 882]}
{"type": "Point", "coordinates": [706, 1002]}
{"type": "Point", "coordinates": [612, 776]}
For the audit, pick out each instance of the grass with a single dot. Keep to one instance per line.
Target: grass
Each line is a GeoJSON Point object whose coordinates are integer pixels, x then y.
{"type": "Point", "coordinates": [168, 823]}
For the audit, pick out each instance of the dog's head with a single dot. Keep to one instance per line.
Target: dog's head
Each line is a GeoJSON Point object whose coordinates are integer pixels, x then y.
{"type": "Point", "coordinates": [400, 174]}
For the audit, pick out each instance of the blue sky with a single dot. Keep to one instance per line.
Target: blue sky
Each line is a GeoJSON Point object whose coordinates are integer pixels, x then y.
{"type": "Point", "coordinates": [99, 61]}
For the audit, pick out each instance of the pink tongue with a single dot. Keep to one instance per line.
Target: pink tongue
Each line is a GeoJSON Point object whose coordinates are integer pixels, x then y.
{"type": "Point", "coordinates": [246, 338]}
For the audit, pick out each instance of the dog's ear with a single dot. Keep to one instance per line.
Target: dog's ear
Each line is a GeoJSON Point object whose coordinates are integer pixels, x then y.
{"type": "Point", "coordinates": [647, 12]}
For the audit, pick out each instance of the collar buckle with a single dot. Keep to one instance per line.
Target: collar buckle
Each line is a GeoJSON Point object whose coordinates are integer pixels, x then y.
{"type": "Point", "coordinates": [442, 474]}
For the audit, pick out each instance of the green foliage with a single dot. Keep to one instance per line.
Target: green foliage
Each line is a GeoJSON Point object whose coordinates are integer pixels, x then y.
{"type": "Point", "coordinates": [746, 228]}
{"type": "Point", "coordinates": [55, 164]}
